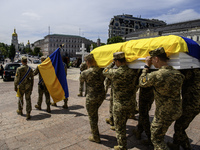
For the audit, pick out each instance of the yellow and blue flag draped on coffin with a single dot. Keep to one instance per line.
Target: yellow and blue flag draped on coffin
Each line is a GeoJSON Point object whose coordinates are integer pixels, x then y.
{"type": "Point", "coordinates": [135, 49]}
{"type": "Point", "coordinates": [53, 74]}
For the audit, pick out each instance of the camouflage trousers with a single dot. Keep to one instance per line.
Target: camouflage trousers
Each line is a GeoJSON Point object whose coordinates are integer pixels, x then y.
{"type": "Point", "coordinates": [82, 88]}
{"type": "Point", "coordinates": [180, 137]}
{"type": "Point", "coordinates": [27, 94]}
{"type": "Point", "coordinates": [121, 115]}
{"type": "Point", "coordinates": [159, 127]}
{"type": "Point", "coordinates": [146, 98]}
{"type": "Point", "coordinates": [92, 106]}
{"type": "Point", "coordinates": [42, 91]}
{"type": "Point", "coordinates": [111, 106]}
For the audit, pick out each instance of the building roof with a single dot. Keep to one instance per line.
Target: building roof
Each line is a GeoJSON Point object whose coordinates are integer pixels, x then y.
{"type": "Point", "coordinates": [65, 35]}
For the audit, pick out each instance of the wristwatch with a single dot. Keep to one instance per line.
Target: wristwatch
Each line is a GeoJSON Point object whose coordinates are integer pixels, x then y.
{"type": "Point", "coordinates": [145, 66]}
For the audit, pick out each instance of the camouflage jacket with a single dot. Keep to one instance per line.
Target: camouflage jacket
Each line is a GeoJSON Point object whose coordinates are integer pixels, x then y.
{"type": "Point", "coordinates": [124, 82]}
{"type": "Point", "coordinates": [167, 83]}
{"type": "Point", "coordinates": [37, 71]}
{"type": "Point", "coordinates": [27, 82]}
{"type": "Point", "coordinates": [95, 81]}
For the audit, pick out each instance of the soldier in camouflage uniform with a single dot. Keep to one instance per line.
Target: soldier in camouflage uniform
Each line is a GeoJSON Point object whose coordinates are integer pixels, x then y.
{"type": "Point", "coordinates": [25, 86]}
{"type": "Point", "coordinates": [42, 89]}
{"type": "Point", "coordinates": [167, 83]}
{"type": "Point", "coordinates": [96, 94]}
{"type": "Point", "coordinates": [124, 90]}
{"type": "Point", "coordinates": [66, 99]}
{"type": "Point", "coordinates": [146, 98]}
{"type": "Point", "coordinates": [191, 108]}
{"type": "Point", "coordinates": [83, 67]}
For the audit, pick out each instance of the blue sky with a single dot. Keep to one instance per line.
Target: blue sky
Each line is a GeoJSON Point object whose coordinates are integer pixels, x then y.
{"type": "Point", "coordinates": [86, 18]}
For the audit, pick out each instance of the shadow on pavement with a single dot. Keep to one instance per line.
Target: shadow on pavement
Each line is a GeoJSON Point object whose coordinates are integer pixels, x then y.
{"type": "Point", "coordinates": [69, 110]}
{"type": "Point", "coordinates": [108, 141]}
{"type": "Point", "coordinates": [40, 116]}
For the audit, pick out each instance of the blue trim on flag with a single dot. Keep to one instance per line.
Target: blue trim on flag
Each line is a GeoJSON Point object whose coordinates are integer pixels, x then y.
{"type": "Point", "coordinates": [193, 47]}
{"type": "Point", "coordinates": [57, 63]}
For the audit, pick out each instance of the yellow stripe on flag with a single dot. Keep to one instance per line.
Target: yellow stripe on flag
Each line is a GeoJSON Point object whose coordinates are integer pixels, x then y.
{"type": "Point", "coordinates": [51, 81]}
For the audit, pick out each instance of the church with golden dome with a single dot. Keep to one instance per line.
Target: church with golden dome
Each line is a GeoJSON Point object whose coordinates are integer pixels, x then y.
{"type": "Point", "coordinates": [15, 40]}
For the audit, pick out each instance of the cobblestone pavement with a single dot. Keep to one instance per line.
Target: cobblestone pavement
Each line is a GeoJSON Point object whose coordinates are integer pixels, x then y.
{"type": "Point", "coordinates": [66, 128]}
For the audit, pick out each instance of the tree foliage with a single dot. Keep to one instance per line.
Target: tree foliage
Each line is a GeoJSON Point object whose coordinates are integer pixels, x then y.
{"type": "Point", "coordinates": [115, 39]}
{"type": "Point", "coordinates": [4, 49]}
{"type": "Point", "coordinates": [37, 52]}
{"type": "Point", "coordinates": [11, 52]}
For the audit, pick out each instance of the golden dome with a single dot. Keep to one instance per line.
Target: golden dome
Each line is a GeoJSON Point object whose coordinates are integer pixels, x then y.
{"type": "Point", "coordinates": [14, 33]}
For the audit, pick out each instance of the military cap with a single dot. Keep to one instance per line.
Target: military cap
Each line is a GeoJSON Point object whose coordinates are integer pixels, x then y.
{"type": "Point", "coordinates": [119, 55]}
{"type": "Point", "coordinates": [43, 58]}
{"type": "Point", "coordinates": [89, 56]}
{"type": "Point", "coordinates": [24, 59]}
{"type": "Point", "coordinates": [158, 52]}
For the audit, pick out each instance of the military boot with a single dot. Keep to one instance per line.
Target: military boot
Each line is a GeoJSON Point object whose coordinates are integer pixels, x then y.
{"type": "Point", "coordinates": [147, 142]}
{"type": "Point", "coordinates": [186, 145]}
{"type": "Point", "coordinates": [112, 128]}
{"type": "Point", "coordinates": [80, 95]}
{"type": "Point", "coordinates": [109, 121]}
{"type": "Point", "coordinates": [28, 116]}
{"type": "Point", "coordinates": [48, 109]}
{"type": "Point", "coordinates": [137, 134]}
{"type": "Point", "coordinates": [173, 146]}
{"type": "Point", "coordinates": [65, 106]}
{"type": "Point", "coordinates": [92, 139]}
{"type": "Point", "coordinates": [53, 104]}
{"type": "Point", "coordinates": [38, 107]}
{"type": "Point", "coordinates": [119, 148]}
{"type": "Point", "coordinates": [19, 112]}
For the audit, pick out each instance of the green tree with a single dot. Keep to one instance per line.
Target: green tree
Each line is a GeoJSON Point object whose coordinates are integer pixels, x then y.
{"type": "Point", "coordinates": [4, 50]}
{"type": "Point", "coordinates": [36, 51]}
{"type": "Point", "coordinates": [115, 39]}
{"type": "Point", "coordinates": [11, 52]}
{"type": "Point", "coordinates": [28, 51]}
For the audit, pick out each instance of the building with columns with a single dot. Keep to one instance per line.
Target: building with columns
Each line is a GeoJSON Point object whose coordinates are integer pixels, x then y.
{"type": "Point", "coordinates": [72, 44]}
{"type": "Point", "coordinates": [14, 40]}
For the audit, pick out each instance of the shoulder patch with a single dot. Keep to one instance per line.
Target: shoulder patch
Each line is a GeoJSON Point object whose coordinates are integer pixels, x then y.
{"type": "Point", "coordinates": [106, 70]}
{"type": "Point", "coordinates": [144, 79]}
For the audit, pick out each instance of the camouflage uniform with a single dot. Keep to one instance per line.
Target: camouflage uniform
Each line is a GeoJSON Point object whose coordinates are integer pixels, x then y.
{"type": "Point", "coordinates": [123, 86]}
{"type": "Point", "coordinates": [96, 94]}
{"type": "Point", "coordinates": [25, 87]}
{"type": "Point", "coordinates": [191, 106]}
{"type": "Point", "coordinates": [146, 98]}
{"type": "Point", "coordinates": [107, 84]}
{"type": "Point", "coordinates": [167, 84]}
{"type": "Point", "coordinates": [83, 67]}
{"type": "Point", "coordinates": [42, 89]}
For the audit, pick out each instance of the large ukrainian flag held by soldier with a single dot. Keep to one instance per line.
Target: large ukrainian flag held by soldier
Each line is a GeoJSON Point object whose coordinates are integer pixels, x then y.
{"type": "Point", "coordinates": [53, 74]}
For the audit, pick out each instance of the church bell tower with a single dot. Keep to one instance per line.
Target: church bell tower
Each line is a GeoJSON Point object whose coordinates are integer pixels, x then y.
{"type": "Point", "coordinates": [15, 40]}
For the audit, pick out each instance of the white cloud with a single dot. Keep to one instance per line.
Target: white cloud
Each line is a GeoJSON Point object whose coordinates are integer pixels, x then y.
{"type": "Point", "coordinates": [31, 15]}
{"type": "Point", "coordinates": [184, 15]}
{"type": "Point", "coordinates": [32, 18]}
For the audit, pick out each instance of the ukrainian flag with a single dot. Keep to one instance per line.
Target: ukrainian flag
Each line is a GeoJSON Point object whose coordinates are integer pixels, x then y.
{"type": "Point", "coordinates": [140, 48]}
{"type": "Point", "coordinates": [53, 74]}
